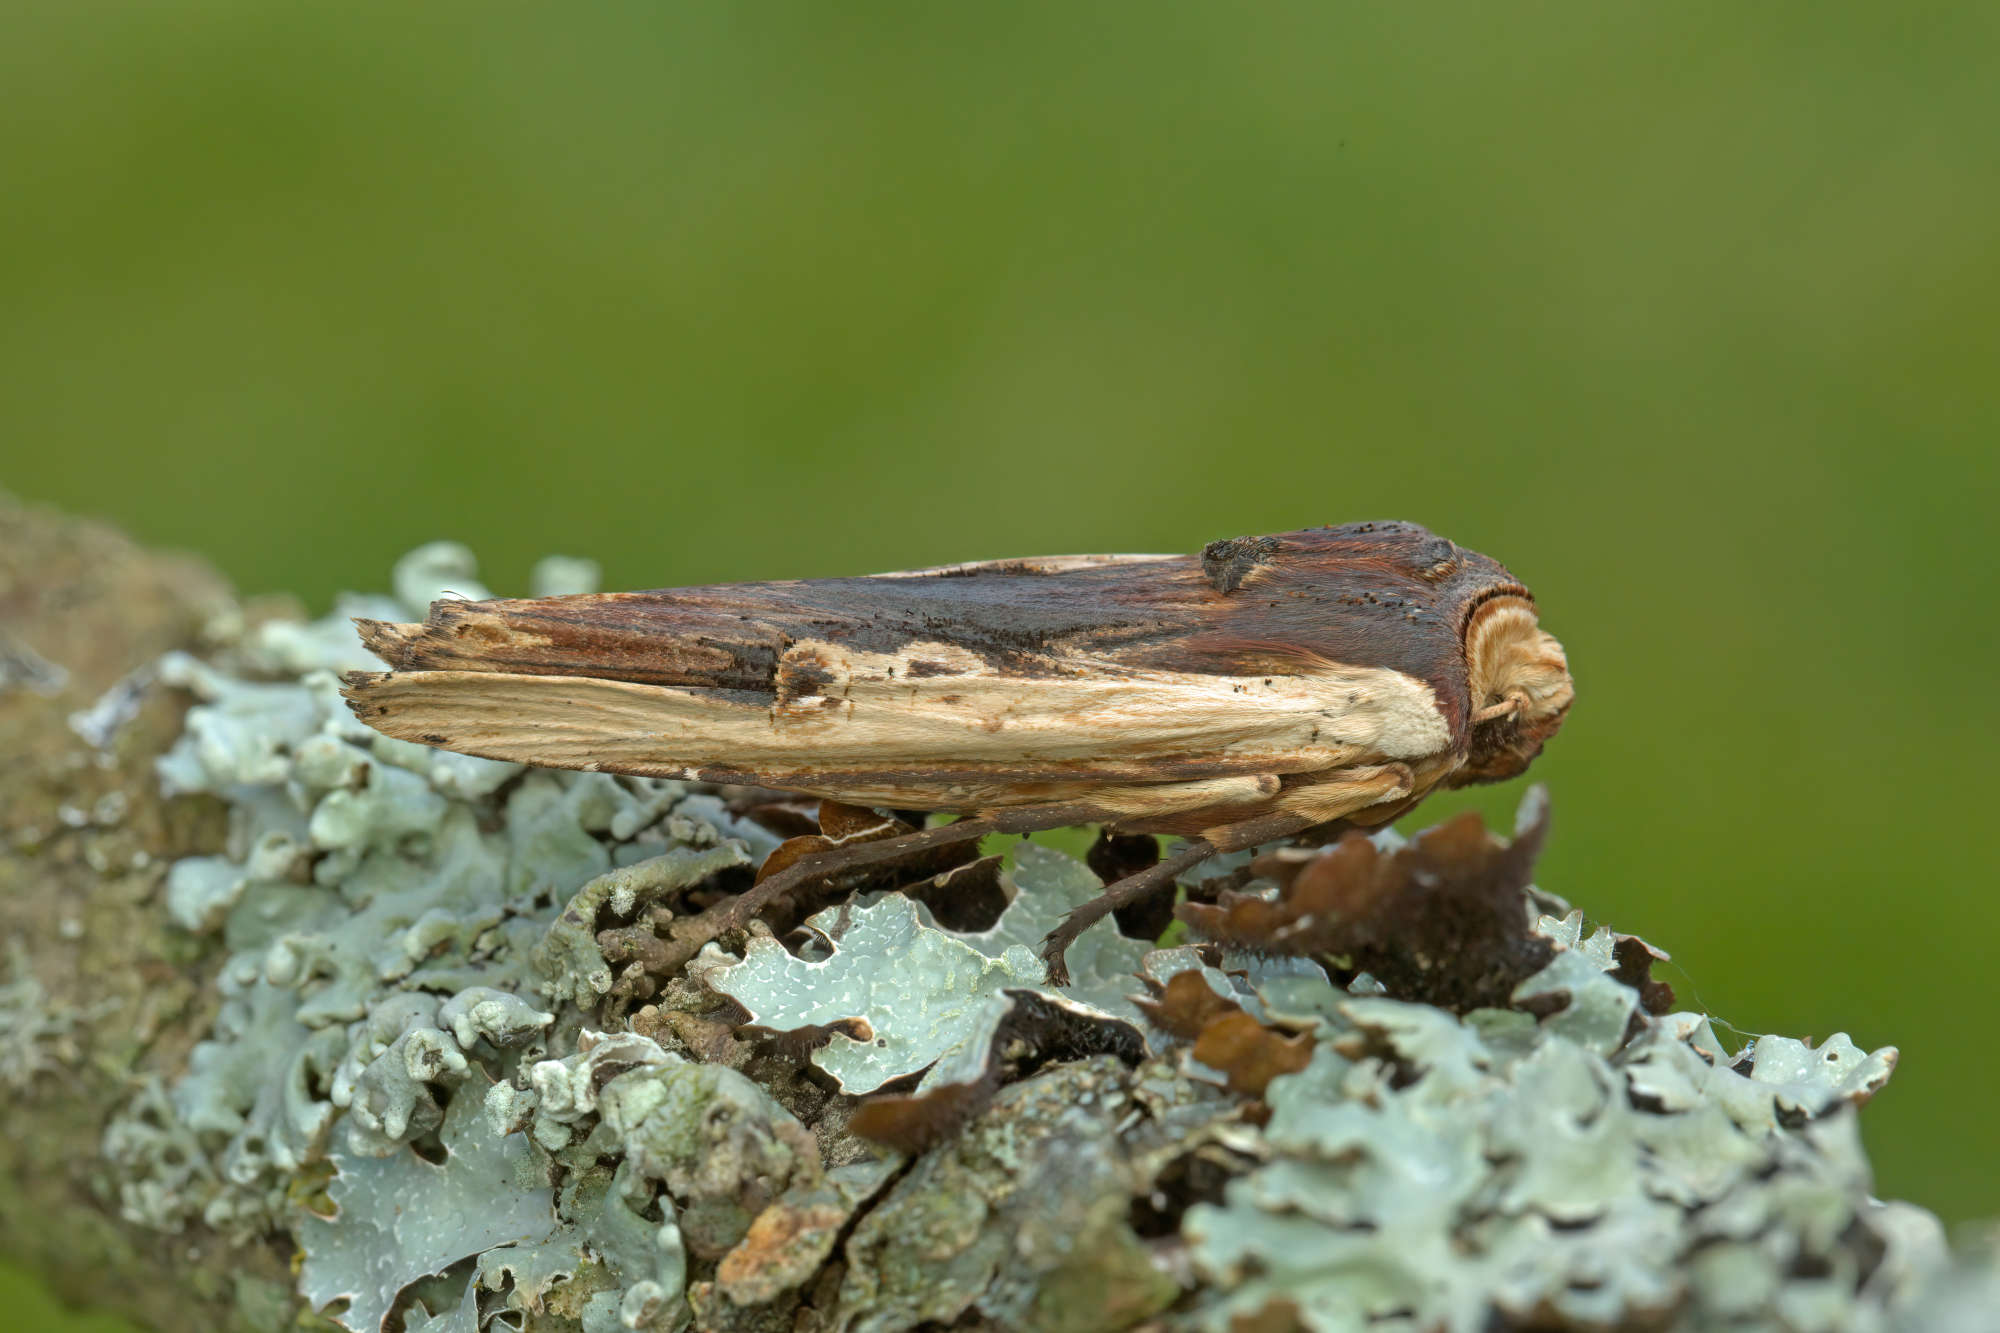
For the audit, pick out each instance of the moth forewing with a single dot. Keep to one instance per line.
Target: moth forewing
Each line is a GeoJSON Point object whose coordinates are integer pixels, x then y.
{"type": "Point", "coordinates": [1040, 564]}
{"type": "Point", "coordinates": [1265, 686]}
{"type": "Point", "coordinates": [870, 714]}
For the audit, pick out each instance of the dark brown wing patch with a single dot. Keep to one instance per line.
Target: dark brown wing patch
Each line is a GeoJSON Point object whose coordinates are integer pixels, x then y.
{"type": "Point", "coordinates": [1364, 594]}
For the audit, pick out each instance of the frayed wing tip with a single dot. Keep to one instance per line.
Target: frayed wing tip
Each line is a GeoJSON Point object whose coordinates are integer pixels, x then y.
{"type": "Point", "coordinates": [387, 639]}
{"type": "Point", "coordinates": [356, 687]}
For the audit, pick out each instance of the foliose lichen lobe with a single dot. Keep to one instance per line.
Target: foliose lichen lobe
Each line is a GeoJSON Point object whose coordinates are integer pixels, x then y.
{"type": "Point", "coordinates": [439, 1063]}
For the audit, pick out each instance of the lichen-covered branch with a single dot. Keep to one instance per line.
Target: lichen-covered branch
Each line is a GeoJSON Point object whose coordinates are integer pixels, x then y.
{"type": "Point", "coordinates": [303, 1026]}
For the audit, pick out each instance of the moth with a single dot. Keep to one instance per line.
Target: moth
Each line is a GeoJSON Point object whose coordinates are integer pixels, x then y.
{"type": "Point", "coordinates": [1267, 687]}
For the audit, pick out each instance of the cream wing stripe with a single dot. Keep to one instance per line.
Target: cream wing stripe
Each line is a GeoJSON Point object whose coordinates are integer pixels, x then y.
{"type": "Point", "coordinates": [869, 713]}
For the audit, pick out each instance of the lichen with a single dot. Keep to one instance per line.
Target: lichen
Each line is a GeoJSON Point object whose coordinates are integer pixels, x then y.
{"type": "Point", "coordinates": [1431, 1171]}
{"type": "Point", "coordinates": [402, 928]}
{"type": "Point", "coordinates": [400, 1217]}
{"type": "Point", "coordinates": [668, 1160]}
{"type": "Point", "coordinates": [446, 1060]}
{"type": "Point", "coordinates": [37, 1033]}
{"type": "Point", "coordinates": [900, 995]}
{"type": "Point", "coordinates": [1024, 1218]}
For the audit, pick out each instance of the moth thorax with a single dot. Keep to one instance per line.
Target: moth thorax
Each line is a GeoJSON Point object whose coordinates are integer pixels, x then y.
{"type": "Point", "coordinates": [1520, 687]}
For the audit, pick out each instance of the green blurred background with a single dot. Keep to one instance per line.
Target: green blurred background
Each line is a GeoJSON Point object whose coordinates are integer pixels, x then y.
{"type": "Point", "coordinates": [1686, 312]}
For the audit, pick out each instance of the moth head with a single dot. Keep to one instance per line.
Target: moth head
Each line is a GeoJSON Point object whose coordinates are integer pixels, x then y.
{"type": "Point", "coordinates": [1520, 689]}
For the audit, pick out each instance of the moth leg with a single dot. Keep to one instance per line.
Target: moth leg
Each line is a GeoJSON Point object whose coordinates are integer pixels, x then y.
{"type": "Point", "coordinates": [686, 937]}
{"type": "Point", "coordinates": [1229, 838]}
{"type": "Point", "coordinates": [1299, 808]}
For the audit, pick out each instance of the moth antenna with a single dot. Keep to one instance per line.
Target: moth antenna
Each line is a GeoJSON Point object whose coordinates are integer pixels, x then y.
{"type": "Point", "coordinates": [1507, 707]}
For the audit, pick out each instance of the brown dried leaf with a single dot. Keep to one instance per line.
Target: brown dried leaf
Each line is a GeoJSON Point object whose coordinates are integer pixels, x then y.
{"type": "Point", "coordinates": [1281, 865]}
{"type": "Point", "coordinates": [797, 1044]}
{"type": "Point", "coordinates": [969, 898]}
{"type": "Point", "coordinates": [1225, 1037]}
{"type": "Point", "coordinates": [840, 826]}
{"type": "Point", "coordinates": [787, 819]}
{"type": "Point", "coordinates": [1185, 1005]}
{"type": "Point", "coordinates": [790, 852]}
{"type": "Point", "coordinates": [843, 823]}
{"type": "Point", "coordinates": [1443, 919]}
{"type": "Point", "coordinates": [1250, 1053]}
{"type": "Point", "coordinates": [1278, 1315]}
{"type": "Point", "coordinates": [1635, 968]}
{"type": "Point", "coordinates": [913, 1122]}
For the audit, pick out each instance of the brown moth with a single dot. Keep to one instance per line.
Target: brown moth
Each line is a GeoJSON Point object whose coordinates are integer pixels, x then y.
{"type": "Point", "coordinates": [1268, 686]}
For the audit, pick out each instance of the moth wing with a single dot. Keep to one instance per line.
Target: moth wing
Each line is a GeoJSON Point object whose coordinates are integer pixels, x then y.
{"type": "Point", "coordinates": [1030, 565]}
{"type": "Point", "coordinates": [1015, 615]}
{"type": "Point", "coordinates": [1296, 653]}
{"type": "Point", "coordinates": [955, 743]}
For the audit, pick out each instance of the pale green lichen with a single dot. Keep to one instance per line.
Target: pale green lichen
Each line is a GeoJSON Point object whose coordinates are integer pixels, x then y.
{"type": "Point", "coordinates": [568, 959]}
{"type": "Point", "coordinates": [1025, 1217]}
{"type": "Point", "coordinates": [411, 938]}
{"type": "Point", "coordinates": [1046, 885]}
{"type": "Point", "coordinates": [394, 919]}
{"type": "Point", "coordinates": [904, 996]}
{"type": "Point", "coordinates": [400, 1217]}
{"type": "Point", "coordinates": [1428, 1172]}
{"type": "Point", "coordinates": [664, 1158]}
{"type": "Point", "coordinates": [915, 993]}
{"type": "Point", "coordinates": [460, 1318]}
{"type": "Point", "coordinates": [1961, 1299]}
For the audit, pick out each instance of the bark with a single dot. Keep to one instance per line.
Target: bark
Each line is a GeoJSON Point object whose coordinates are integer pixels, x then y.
{"type": "Point", "coordinates": [107, 992]}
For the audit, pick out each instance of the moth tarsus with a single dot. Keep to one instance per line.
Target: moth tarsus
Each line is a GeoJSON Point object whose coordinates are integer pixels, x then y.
{"type": "Point", "coordinates": [1260, 689]}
